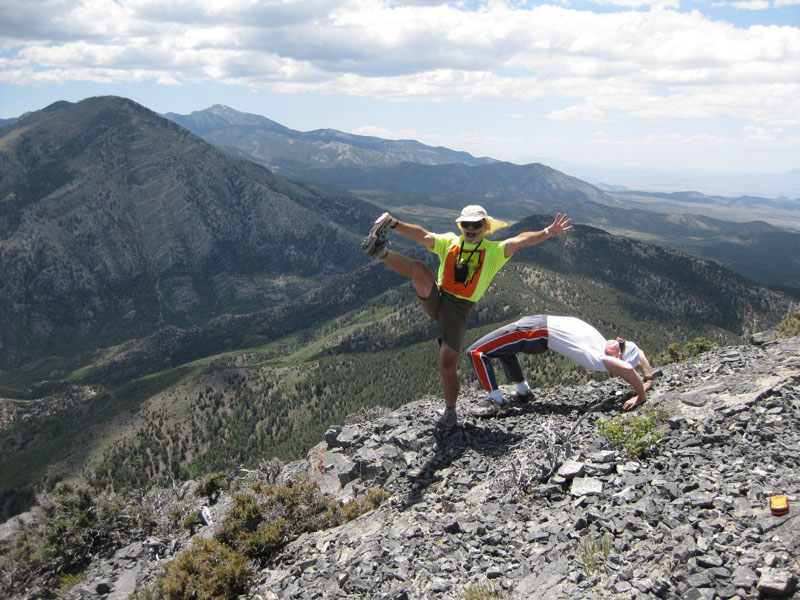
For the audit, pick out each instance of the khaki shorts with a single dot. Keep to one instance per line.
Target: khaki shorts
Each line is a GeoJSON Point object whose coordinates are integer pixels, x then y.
{"type": "Point", "coordinates": [451, 313]}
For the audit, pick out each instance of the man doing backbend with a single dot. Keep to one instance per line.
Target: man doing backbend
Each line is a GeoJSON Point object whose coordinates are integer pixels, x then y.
{"type": "Point", "coordinates": [569, 336]}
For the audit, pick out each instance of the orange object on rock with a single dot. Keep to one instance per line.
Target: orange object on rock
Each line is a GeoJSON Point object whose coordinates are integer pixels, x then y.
{"type": "Point", "coordinates": [779, 505]}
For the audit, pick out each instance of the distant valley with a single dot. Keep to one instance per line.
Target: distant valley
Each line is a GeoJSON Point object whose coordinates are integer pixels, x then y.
{"type": "Point", "coordinates": [662, 179]}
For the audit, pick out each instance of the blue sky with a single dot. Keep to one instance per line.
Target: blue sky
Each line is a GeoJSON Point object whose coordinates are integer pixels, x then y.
{"type": "Point", "coordinates": [646, 84]}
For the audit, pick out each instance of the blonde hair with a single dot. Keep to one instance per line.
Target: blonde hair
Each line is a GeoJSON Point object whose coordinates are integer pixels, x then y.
{"type": "Point", "coordinates": [492, 225]}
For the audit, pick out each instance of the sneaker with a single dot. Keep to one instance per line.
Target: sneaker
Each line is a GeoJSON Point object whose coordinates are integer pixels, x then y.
{"type": "Point", "coordinates": [488, 408]}
{"type": "Point", "coordinates": [448, 420]}
{"type": "Point", "coordinates": [375, 243]}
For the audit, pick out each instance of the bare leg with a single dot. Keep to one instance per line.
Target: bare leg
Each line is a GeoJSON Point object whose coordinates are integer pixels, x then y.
{"type": "Point", "coordinates": [416, 270]}
{"type": "Point", "coordinates": [448, 367]}
{"type": "Point", "coordinates": [424, 280]}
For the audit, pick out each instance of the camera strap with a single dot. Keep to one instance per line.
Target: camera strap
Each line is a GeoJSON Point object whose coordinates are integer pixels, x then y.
{"type": "Point", "coordinates": [461, 251]}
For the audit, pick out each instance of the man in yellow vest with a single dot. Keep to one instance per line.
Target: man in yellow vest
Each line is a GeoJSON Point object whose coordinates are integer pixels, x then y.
{"type": "Point", "coordinates": [467, 264]}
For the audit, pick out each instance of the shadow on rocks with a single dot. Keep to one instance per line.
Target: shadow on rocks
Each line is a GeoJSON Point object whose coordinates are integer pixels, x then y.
{"type": "Point", "coordinates": [451, 446]}
{"type": "Point", "coordinates": [608, 404]}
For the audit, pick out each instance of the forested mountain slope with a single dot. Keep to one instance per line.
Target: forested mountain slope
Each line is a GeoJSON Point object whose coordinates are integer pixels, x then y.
{"type": "Point", "coordinates": [275, 379]}
{"type": "Point", "coordinates": [115, 222]}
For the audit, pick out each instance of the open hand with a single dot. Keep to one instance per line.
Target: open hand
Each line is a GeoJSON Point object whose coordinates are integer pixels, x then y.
{"type": "Point", "coordinates": [559, 225]}
{"type": "Point", "coordinates": [632, 402]}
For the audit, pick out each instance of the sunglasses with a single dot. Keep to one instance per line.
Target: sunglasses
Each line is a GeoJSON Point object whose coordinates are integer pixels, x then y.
{"type": "Point", "coordinates": [621, 345]}
{"type": "Point", "coordinates": [473, 224]}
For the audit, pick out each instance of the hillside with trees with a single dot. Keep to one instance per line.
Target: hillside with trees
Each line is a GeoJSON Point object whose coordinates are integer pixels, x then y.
{"type": "Point", "coordinates": [359, 346]}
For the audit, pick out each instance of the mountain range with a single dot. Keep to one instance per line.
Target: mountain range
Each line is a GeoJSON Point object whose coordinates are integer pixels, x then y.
{"type": "Point", "coordinates": [296, 155]}
{"type": "Point", "coordinates": [149, 276]}
{"type": "Point", "coordinates": [757, 237]}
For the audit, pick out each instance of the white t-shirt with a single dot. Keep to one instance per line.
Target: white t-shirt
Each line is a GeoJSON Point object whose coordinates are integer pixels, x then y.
{"type": "Point", "coordinates": [581, 342]}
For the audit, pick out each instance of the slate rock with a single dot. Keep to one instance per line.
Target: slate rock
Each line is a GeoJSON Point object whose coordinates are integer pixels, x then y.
{"type": "Point", "coordinates": [743, 577]}
{"type": "Point", "coordinates": [571, 469]}
{"type": "Point", "coordinates": [776, 583]}
{"type": "Point", "coordinates": [586, 486]}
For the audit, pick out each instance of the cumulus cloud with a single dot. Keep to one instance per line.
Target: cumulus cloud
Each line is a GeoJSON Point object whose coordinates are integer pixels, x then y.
{"type": "Point", "coordinates": [389, 134]}
{"type": "Point", "coordinates": [745, 4]}
{"type": "Point", "coordinates": [586, 113]}
{"type": "Point", "coordinates": [651, 61]}
{"type": "Point", "coordinates": [757, 133]}
{"type": "Point", "coordinates": [659, 4]}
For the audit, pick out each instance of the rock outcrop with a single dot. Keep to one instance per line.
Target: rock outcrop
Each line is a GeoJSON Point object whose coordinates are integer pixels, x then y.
{"type": "Point", "coordinates": [538, 505]}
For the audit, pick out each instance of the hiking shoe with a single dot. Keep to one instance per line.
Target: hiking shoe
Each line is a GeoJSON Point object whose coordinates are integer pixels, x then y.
{"type": "Point", "coordinates": [488, 408]}
{"type": "Point", "coordinates": [518, 398]}
{"type": "Point", "coordinates": [375, 243]}
{"type": "Point", "coordinates": [448, 420]}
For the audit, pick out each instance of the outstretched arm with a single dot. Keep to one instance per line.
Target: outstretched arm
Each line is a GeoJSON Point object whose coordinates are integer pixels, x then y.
{"type": "Point", "coordinates": [413, 232]}
{"type": "Point", "coordinates": [619, 367]}
{"type": "Point", "coordinates": [530, 238]}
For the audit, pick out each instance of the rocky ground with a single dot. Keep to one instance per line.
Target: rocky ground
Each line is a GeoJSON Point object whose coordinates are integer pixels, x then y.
{"type": "Point", "coordinates": [537, 504]}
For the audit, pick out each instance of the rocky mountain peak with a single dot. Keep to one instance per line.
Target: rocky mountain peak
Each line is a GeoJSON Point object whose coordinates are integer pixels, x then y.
{"type": "Point", "coordinates": [539, 504]}
{"type": "Point", "coordinates": [117, 221]}
{"type": "Point", "coordinates": [221, 116]}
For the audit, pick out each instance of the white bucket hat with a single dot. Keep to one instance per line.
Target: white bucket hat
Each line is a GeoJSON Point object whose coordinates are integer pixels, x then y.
{"type": "Point", "coordinates": [474, 212]}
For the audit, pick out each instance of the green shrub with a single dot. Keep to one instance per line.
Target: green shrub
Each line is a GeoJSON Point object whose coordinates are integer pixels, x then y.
{"type": "Point", "coordinates": [206, 570]}
{"type": "Point", "coordinates": [484, 591]}
{"type": "Point", "coordinates": [68, 581]}
{"type": "Point", "coordinates": [148, 592]}
{"type": "Point", "coordinates": [262, 522]}
{"type": "Point", "coordinates": [372, 500]}
{"type": "Point", "coordinates": [247, 529]}
{"type": "Point", "coordinates": [634, 434]}
{"type": "Point", "coordinates": [674, 353]}
{"type": "Point", "coordinates": [74, 525]}
{"type": "Point", "coordinates": [698, 346]}
{"type": "Point", "coordinates": [212, 485]}
{"type": "Point", "coordinates": [592, 552]}
{"type": "Point", "coordinates": [790, 326]}
{"type": "Point", "coordinates": [191, 522]}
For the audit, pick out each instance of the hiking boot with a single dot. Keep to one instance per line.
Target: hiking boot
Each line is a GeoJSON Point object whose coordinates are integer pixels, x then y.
{"type": "Point", "coordinates": [518, 398]}
{"type": "Point", "coordinates": [448, 420]}
{"type": "Point", "coordinates": [375, 243]}
{"type": "Point", "coordinates": [488, 408]}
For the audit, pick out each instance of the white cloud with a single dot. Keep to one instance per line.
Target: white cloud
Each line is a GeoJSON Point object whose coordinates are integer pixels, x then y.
{"type": "Point", "coordinates": [657, 4]}
{"type": "Point", "coordinates": [744, 4]}
{"type": "Point", "coordinates": [645, 60]}
{"type": "Point", "coordinates": [389, 134]}
{"type": "Point", "coordinates": [586, 113]}
{"type": "Point", "coordinates": [757, 133]}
